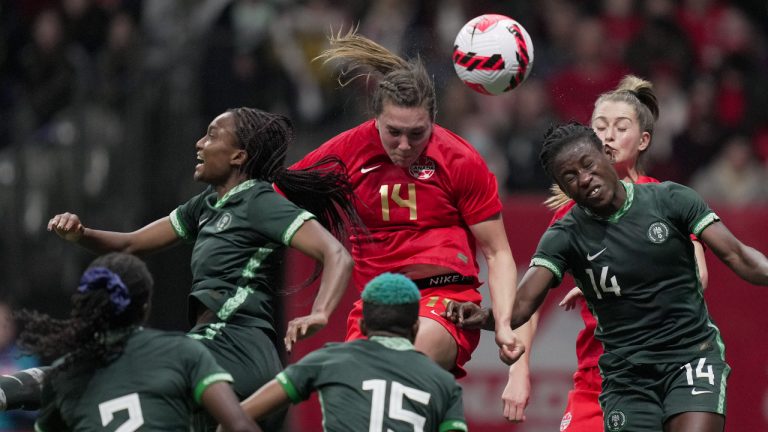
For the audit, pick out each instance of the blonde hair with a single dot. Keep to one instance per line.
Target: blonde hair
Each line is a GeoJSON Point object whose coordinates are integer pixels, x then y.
{"type": "Point", "coordinates": [635, 92]}
{"type": "Point", "coordinates": [403, 83]}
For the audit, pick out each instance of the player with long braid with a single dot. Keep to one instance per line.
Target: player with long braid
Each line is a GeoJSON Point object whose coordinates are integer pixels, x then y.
{"type": "Point", "coordinates": [427, 198]}
{"type": "Point", "coordinates": [237, 225]}
{"type": "Point", "coordinates": [108, 363]}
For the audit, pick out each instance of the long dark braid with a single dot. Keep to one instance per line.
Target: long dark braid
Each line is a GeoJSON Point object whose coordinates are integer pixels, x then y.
{"type": "Point", "coordinates": [322, 189]}
{"type": "Point", "coordinates": [100, 321]}
{"type": "Point", "coordinates": [558, 138]}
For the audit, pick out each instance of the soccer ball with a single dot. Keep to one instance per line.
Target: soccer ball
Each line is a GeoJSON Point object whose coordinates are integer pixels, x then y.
{"type": "Point", "coordinates": [492, 54]}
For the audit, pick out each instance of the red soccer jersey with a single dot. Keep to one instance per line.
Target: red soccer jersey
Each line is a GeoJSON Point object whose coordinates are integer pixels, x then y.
{"type": "Point", "coordinates": [415, 215]}
{"type": "Point", "coordinates": [588, 349]}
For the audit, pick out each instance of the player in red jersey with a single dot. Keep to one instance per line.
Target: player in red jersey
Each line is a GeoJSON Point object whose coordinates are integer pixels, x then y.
{"type": "Point", "coordinates": [623, 119]}
{"type": "Point", "coordinates": [427, 198]}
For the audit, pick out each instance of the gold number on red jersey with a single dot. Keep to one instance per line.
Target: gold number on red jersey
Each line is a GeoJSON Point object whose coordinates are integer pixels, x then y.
{"type": "Point", "coordinates": [409, 203]}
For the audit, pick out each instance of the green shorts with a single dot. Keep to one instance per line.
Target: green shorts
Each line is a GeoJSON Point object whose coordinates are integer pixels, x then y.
{"type": "Point", "coordinates": [248, 353]}
{"type": "Point", "coordinates": [644, 397]}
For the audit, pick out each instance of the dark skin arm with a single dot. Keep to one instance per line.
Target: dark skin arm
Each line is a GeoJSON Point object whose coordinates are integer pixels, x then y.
{"type": "Point", "coordinates": [747, 262]}
{"type": "Point", "coordinates": [152, 237]}
{"type": "Point", "coordinates": [315, 241]}
{"type": "Point", "coordinates": [269, 398]}
{"type": "Point", "coordinates": [222, 404]}
{"type": "Point", "coordinates": [531, 293]}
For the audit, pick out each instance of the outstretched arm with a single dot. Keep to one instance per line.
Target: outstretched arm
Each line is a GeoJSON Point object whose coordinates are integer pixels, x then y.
{"type": "Point", "coordinates": [518, 389]}
{"type": "Point", "coordinates": [153, 237]}
{"type": "Point", "coordinates": [747, 262]}
{"type": "Point", "coordinates": [269, 398]}
{"type": "Point", "coordinates": [315, 241]}
{"type": "Point", "coordinates": [23, 389]}
{"type": "Point", "coordinates": [222, 404]}
{"type": "Point", "coordinates": [531, 292]}
{"type": "Point", "coordinates": [502, 278]}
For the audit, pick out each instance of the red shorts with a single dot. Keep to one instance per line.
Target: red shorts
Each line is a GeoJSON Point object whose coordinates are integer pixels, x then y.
{"type": "Point", "coordinates": [583, 413]}
{"type": "Point", "coordinates": [432, 304]}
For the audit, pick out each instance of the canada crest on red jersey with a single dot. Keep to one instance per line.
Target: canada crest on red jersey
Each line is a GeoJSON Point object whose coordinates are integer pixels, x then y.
{"type": "Point", "coordinates": [423, 168]}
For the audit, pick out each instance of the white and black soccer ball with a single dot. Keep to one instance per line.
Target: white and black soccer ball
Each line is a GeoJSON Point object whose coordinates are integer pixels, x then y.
{"type": "Point", "coordinates": [493, 54]}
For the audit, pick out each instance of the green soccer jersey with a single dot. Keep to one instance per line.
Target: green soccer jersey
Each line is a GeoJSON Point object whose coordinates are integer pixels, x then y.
{"type": "Point", "coordinates": [377, 384]}
{"type": "Point", "coordinates": [638, 273]}
{"type": "Point", "coordinates": [236, 238]}
{"type": "Point", "coordinates": [151, 386]}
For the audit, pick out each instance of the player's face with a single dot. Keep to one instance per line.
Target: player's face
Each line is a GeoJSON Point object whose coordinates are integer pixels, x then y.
{"type": "Point", "coordinates": [218, 151]}
{"type": "Point", "coordinates": [585, 174]}
{"type": "Point", "coordinates": [404, 132]}
{"type": "Point", "coordinates": [616, 124]}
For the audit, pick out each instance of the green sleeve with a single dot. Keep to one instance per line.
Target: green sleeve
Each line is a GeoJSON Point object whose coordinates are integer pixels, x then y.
{"type": "Point", "coordinates": [201, 368]}
{"type": "Point", "coordinates": [688, 208]}
{"type": "Point", "coordinates": [552, 251]}
{"type": "Point", "coordinates": [454, 418]}
{"type": "Point", "coordinates": [186, 217]}
{"type": "Point", "coordinates": [49, 418]}
{"type": "Point", "coordinates": [300, 379]}
{"type": "Point", "coordinates": [275, 217]}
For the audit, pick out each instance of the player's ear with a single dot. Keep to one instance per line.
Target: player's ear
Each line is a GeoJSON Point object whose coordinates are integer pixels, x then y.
{"type": "Point", "coordinates": [363, 329]}
{"type": "Point", "coordinates": [239, 157]}
{"type": "Point", "coordinates": [415, 329]}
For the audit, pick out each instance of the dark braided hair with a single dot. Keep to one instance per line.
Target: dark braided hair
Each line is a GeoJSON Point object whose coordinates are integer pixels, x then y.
{"type": "Point", "coordinates": [403, 83]}
{"type": "Point", "coordinates": [560, 137]}
{"type": "Point", "coordinates": [101, 320]}
{"type": "Point", "coordinates": [322, 189]}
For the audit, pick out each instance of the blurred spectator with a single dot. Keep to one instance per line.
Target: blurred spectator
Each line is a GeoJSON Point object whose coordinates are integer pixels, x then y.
{"type": "Point", "coordinates": [119, 63]}
{"type": "Point", "coordinates": [575, 87]}
{"type": "Point", "coordinates": [734, 177]}
{"type": "Point", "coordinates": [702, 137]}
{"type": "Point", "coordinates": [47, 72]}
{"type": "Point", "coordinates": [661, 46]}
{"type": "Point", "coordinates": [12, 360]}
{"type": "Point", "coordinates": [521, 138]}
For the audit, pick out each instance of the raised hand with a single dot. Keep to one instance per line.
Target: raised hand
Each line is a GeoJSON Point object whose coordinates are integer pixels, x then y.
{"type": "Point", "coordinates": [571, 299]}
{"type": "Point", "coordinates": [468, 315]}
{"type": "Point", "coordinates": [67, 226]}
{"type": "Point", "coordinates": [304, 326]}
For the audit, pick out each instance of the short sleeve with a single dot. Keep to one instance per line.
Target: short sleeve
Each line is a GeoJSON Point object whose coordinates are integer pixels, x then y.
{"type": "Point", "coordinates": [275, 217]}
{"type": "Point", "coordinates": [299, 380]}
{"type": "Point", "coordinates": [200, 367]}
{"type": "Point", "coordinates": [476, 191]}
{"type": "Point", "coordinates": [454, 417]}
{"type": "Point", "coordinates": [185, 218]}
{"type": "Point", "coordinates": [688, 207]}
{"type": "Point", "coordinates": [49, 418]}
{"type": "Point", "coordinates": [552, 251]}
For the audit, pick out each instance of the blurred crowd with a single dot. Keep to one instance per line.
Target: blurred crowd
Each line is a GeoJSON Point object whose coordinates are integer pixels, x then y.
{"type": "Point", "coordinates": [102, 101]}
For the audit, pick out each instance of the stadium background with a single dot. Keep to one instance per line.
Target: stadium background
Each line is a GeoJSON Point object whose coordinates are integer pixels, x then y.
{"type": "Point", "coordinates": [102, 101]}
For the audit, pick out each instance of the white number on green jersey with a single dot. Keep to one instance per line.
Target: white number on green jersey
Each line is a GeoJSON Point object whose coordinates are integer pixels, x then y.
{"type": "Point", "coordinates": [700, 373]}
{"type": "Point", "coordinates": [613, 288]}
{"type": "Point", "coordinates": [396, 411]}
{"type": "Point", "coordinates": [128, 402]}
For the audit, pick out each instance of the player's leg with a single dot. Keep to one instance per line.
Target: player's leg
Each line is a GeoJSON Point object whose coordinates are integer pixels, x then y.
{"type": "Point", "coordinates": [448, 345]}
{"type": "Point", "coordinates": [695, 421]}
{"type": "Point", "coordinates": [696, 393]}
{"type": "Point", "coordinates": [583, 412]}
{"type": "Point", "coordinates": [631, 399]}
{"type": "Point", "coordinates": [22, 389]}
{"type": "Point", "coordinates": [436, 342]}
